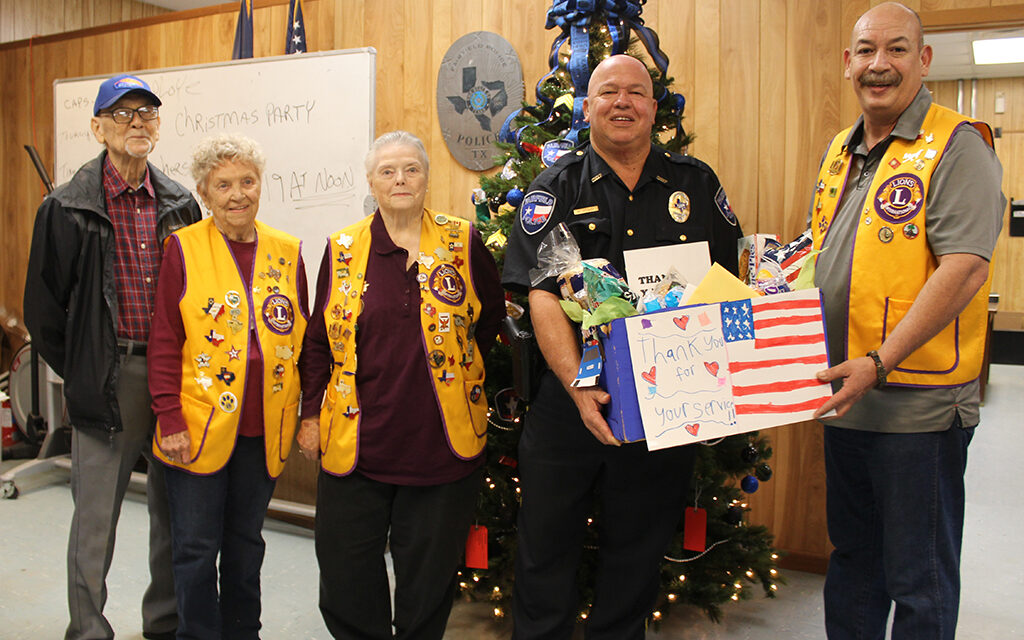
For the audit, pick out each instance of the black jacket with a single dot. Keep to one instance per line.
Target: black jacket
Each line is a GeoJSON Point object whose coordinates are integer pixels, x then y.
{"type": "Point", "coordinates": [70, 295]}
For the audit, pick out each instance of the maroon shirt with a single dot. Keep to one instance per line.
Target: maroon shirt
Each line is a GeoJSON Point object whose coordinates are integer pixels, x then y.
{"type": "Point", "coordinates": [401, 436]}
{"type": "Point", "coordinates": [168, 337]}
{"type": "Point", "coordinates": [136, 250]}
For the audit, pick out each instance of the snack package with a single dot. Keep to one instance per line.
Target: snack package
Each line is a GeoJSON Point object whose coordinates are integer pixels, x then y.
{"type": "Point", "coordinates": [589, 283]}
{"type": "Point", "coordinates": [780, 266]}
{"type": "Point", "coordinates": [593, 294]}
{"type": "Point", "coordinates": [672, 291]}
{"type": "Point", "coordinates": [751, 249]}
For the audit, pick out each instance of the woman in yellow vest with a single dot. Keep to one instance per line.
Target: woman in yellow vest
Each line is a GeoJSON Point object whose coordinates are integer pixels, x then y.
{"type": "Point", "coordinates": [408, 302]}
{"type": "Point", "coordinates": [229, 316]}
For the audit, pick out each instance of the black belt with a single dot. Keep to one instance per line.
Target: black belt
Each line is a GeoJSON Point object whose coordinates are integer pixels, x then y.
{"type": "Point", "coordinates": [131, 348]}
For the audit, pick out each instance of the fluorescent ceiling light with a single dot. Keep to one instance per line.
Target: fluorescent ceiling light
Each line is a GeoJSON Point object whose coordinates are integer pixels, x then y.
{"type": "Point", "coordinates": [998, 51]}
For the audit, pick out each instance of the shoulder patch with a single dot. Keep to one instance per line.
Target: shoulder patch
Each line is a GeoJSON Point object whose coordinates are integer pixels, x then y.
{"type": "Point", "coordinates": [536, 210]}
{"type": "Point", "coordinates": [723, 206]}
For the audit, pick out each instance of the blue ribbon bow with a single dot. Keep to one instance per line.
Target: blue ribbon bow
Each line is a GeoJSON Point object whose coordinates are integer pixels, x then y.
{"type": "Point", "coordinates": [573, 17]}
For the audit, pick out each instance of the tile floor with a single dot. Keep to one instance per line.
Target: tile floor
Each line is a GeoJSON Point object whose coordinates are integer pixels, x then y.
{"type": "Point", "coordinates": [33, 534]}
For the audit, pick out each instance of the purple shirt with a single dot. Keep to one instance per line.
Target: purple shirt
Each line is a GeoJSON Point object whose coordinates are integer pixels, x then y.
{"type": "Point", "coordinates": [401, 436]}
{"type": "Point", "coordinates": [136, 250]}
{"type": "Point", "coordinates": [168, 337]}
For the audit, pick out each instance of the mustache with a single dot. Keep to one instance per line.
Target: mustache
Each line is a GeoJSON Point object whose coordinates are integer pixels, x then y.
{"type": "Point", "coordinates": [881, 78]}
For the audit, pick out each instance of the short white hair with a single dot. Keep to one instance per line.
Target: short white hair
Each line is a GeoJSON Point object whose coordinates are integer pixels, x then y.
{"type": "Point", "coordinates": [234, 147]}
{"type": "Point", "coordinates": [396, 138]}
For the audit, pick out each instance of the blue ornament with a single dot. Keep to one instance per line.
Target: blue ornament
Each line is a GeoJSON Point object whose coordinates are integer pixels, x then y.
{"type": "Point", "coordinates": [749, 484]}
{"type": "Point", "coordinates": [514, 196]}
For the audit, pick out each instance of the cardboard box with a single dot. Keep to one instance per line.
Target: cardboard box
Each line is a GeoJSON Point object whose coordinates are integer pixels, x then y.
{"type": "Point", "coordinates": [623, 412]}
{"type": "Point", "coordinates": [717, 369]}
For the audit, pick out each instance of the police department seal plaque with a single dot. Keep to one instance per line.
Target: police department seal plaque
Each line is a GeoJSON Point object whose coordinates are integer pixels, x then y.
{"type": "Point", "coordinates": [479, 83]}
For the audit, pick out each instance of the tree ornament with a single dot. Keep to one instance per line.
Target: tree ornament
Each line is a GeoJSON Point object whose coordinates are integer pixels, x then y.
{"type": "Point", "coordinates": [750, 454]}
{"type": "Point", "coordinates": [734, 515]}
{"type": "Point", "coordinates": [479, 200]}
{"type": "Point", "coordinates": [514, 196]}
{"type": "Point", "coordinates": [763, 472]}
{"type": "Point", "coordinates": [749, 484]}
{"type": "Point", "coordinates": [493, 203]}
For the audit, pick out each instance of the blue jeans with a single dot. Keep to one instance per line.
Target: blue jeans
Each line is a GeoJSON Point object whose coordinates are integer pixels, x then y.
{"type": "Point", "coordinates": [895, 516]}
{"type": "Point", "coordinates": [221, 513]}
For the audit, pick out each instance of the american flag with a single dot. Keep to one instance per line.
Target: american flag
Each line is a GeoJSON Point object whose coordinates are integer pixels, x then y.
{"type": "Point", "coordinates": [776, 345]}
{"type": "Point", "coordinates": [295, 38]}
{"type": "Point", "coordinates": [243, 31]}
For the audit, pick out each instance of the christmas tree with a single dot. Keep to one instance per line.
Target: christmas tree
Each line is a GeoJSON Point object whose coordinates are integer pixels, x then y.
{"type": "Point", "coordinates": [735, 555]}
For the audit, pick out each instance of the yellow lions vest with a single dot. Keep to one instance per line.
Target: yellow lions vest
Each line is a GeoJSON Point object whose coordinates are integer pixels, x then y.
{"type": "Point", "coordinates": [448, 309]}
{"type": "Point", "coordinates": [218, 312]}
{"type": "Point", "coordinates": [891, 258]}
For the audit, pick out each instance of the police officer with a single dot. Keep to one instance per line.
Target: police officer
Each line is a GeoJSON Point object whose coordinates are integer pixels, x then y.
{"type": "Point", "coordinates": [619, 193]}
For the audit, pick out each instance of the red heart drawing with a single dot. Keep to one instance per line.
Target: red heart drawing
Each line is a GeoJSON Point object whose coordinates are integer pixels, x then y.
{"type": "Point", "coordinates": [712, 368]}
{"type": "Point", "coordinates": [681, 322]}
{"type": "Point", "coordinates": [648, 375]}
{"type": "Point", "coordinates": [692, 428]}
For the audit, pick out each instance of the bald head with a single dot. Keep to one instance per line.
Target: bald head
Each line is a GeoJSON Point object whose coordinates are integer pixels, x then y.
{"type": "Point", "coordinates": [891, 13]}
{"type": "Point", "coordinates": [620, 67]}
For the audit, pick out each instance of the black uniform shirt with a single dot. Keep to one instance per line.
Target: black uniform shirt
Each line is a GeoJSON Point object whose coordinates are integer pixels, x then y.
{"type": "Point", "coordinates": [606, 218]}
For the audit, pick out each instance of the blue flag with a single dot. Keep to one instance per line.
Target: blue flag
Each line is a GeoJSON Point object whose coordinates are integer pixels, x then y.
{"type": "Point", "coordinates": [295, 42]}
{"type": "Point", "coordinates": [243, 32]}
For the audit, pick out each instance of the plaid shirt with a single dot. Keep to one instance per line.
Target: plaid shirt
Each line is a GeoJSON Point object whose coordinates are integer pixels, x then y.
{"type": "Point", "coordinates": [136, 251]}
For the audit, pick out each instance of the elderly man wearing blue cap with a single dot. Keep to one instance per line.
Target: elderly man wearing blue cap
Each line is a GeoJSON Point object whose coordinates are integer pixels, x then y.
{"type": "Point", "coordinates": [92, 272]}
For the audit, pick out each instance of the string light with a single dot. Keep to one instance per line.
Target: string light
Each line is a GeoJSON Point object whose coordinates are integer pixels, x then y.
{"type": "Point", "coordinates": [682, 578]}
{"type": "Point", "coordinates": [774, 587]}
{"type": "Point", "coordinates": [499, 612]}
{"type": "Point", "coordinates": [750, 574]}
{"type": "Point", "coordinates": [672, 597]}
{"type": "Point", "coordinates": [656, 615]}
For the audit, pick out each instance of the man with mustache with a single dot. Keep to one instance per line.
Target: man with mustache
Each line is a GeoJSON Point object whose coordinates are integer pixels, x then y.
{"type": "Point", "coordinates": [907, 208]}
{"type": "Point", "coordinates": [618, 192]}
{"type": "Point", "coordinates": [92, 272]}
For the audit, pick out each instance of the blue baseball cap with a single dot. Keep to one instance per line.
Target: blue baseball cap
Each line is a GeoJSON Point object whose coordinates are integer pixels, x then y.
{"type": "Point", "coordinates": [113, 89]}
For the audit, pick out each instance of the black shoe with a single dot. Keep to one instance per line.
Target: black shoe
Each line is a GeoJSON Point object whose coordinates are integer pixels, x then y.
{"type": "Point", "coordinates": [166, 635]}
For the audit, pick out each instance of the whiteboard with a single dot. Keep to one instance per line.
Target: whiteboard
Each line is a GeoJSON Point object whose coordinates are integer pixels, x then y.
{"type": "Point", "coordinates": [312, 113]}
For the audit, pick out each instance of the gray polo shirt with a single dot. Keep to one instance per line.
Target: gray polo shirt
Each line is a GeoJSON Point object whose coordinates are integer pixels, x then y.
{"type": "Point", "coordinates": [963, 214]}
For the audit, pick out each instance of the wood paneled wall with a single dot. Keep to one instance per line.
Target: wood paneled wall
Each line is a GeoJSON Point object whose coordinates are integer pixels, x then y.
{"type": "Point", "coordinates": [21, 19]}
{"type": "Point", "coordinates": [1008, 261]}
{"type": "Point", "coordinates": [762, 78]}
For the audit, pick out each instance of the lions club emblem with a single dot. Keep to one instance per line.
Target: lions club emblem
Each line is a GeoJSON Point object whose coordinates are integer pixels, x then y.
{"type": "Point", "coordinates": [278, 314]}
{"type": "Point", "coordinates": [447, 285]}
{"type": "Point", "coordinates": [899, 198]}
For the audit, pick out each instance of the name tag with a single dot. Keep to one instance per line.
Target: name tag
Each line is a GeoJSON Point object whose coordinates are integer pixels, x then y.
{"type": "Point", "coordinates": [580, 212]}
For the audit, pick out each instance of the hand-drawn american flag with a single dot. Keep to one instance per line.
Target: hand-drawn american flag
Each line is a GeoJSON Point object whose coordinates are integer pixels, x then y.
{"type": "Point", "coordinates": [776, 345]}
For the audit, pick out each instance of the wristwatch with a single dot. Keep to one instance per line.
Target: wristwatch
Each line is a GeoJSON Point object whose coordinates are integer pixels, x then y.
{"type": "Point", "coordinates": [879, 369]}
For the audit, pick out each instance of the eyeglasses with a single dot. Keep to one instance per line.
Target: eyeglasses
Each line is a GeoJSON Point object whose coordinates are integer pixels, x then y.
{"type": "Point", "coordinates": [124, 116]}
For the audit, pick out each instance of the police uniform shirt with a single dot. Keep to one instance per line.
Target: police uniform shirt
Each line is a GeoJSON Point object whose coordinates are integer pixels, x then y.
{"type": "Point", "coordinates": [963, 214]}
{"type": "Point", "coordinates": [677, 199]}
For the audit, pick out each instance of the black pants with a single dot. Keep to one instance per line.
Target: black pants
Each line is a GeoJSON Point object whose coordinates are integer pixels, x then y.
{"type": "Point", "coordinates": [356, 519]}
{"type": "Point", "coordinates": [642, 499]}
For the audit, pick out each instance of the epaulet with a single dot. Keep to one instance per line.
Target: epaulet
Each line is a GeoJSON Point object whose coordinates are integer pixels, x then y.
{"type": "Point", "coordinates": [572, 158]}
{"type": "Point", "coordinates": [678, 158]}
